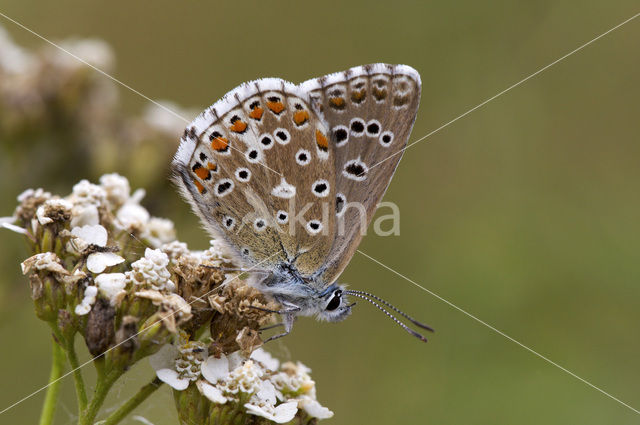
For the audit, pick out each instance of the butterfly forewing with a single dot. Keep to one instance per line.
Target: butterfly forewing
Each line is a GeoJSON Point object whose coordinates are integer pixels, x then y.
{"type": "Point", "coordinates": [370, 111]}
{"type": "Point", "coordinates": [258, 169]}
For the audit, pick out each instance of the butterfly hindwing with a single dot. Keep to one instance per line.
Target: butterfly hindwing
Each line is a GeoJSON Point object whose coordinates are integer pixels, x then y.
{"type": "Point", "coordinates": [370, 111]}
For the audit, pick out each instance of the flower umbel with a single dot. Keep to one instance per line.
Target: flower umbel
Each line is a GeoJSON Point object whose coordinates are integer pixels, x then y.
{"type": "Point", "coordinates": [88, 279]}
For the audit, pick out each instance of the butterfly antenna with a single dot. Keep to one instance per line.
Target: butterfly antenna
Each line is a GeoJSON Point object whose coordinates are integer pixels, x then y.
{"type": "Point", "coordinates": [391, 316]}
{"type": "Point", "coordinates": [388, 304]}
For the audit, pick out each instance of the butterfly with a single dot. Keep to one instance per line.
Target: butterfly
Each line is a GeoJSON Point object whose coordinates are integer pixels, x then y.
{"type": "Point", "coordinates": [289, 177]}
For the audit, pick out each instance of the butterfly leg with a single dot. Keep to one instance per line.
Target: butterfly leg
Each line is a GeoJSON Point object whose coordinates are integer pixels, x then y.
{"type": "Point", "coordinates": [289, 318]}
{"type": "Point", "coordinates": [266, 328]}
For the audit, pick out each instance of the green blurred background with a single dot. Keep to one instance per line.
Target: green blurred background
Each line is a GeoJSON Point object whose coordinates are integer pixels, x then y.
{"type": "Point", "coordinates": [524, 213]}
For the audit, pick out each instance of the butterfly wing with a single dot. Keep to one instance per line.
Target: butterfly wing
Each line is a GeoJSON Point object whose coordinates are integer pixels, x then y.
{"type": "Point", "coordinates": [256, 167]}
{"type": "Point", "coordinates": [370, 111]}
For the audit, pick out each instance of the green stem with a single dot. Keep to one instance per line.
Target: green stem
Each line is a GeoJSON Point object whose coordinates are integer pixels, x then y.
{"type": "Point", "coordinates": [133, 402]}
{"type": "Point", "coordinates": [51, 399]}
{"type": "Point", "coordinates": [81, 392]}
{"type": "Point", "coordinates": [105, 381]}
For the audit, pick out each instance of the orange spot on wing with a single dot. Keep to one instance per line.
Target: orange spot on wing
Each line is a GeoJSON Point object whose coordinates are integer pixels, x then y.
{"type": "Point", "coordinates": [336, 101]}
{"type": "Point", "coordinates": [379, 94]}
{"type": "Point", "coordinates": [219, 144]}
{"type": "Point", "coordinates": [357, 96]}
{"type": "Point", "coordinates": [212, 166]}
{"type": "Point", "coordinates": [202, 172]}
{"type": "Point", "coordinates": [321, 140]}
{"type": "Point", "coordinates": [199, 186]}
{"type": "Point", "coordinates": [256, 113]}
{"type": "Point", "coordinates": [275, 107]}
{"type": "Point", "coordinates": [239, 126]}
{"type": "Point", "coordinates": [300, 117]}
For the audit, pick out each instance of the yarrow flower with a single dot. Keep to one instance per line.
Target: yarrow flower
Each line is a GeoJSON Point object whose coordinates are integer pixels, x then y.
{"type": "Point", "coordinates": [52, 209]}
{"type": "Point", "coordinates": [152, 271]}
{"type": "Point", "coordinates": [88, 279]}
{"type": "Point", "coordinates": [86, 275]}
{"type": "Point", "coordinates": [178, 365]}
{"type": "Point", "coordinates": [117, 189]}
{"type": "Point", "coordinates": [232, 378]}
{"type": "Point", "coordinates": [85, 199]}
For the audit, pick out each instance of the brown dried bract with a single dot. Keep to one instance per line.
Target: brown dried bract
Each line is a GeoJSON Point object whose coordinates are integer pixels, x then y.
{"type": "Point", "coordinates": [239, 310]}
{"type": "Point", "coordinates": [100, 332]}
{"type": "Point", "coordinates": [126, 340]}
{"type": "Point", "coordinates": [195, 282]}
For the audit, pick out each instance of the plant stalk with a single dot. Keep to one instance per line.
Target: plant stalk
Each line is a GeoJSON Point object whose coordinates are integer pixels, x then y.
{"type": "Point", "coordinates": [53, 390]}
{"type": "Point", "coordinates": [81, 392]}
{"type": "Point", "coordinates": [133, 402]}
{"type": "Point", "coordinates": [105, 380]}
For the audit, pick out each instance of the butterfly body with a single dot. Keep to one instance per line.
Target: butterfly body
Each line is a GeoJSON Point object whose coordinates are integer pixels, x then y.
{"type": "Point", "coordinates": [289, 176]}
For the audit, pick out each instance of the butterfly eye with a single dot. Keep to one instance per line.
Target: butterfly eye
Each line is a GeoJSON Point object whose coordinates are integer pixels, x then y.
{"type": "Point", "coordinates": [335, 301]}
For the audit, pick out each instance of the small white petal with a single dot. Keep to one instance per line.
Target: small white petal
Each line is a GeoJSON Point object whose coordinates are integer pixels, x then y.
{"type": "Point", "coordinates": [84, 215]}
{"type": "Point", "coordinates": [99, 261]}
{"type": "Point", "coordinates": [214, 369]}
{"type": "Point", "coordinates": [155, 296]}
{"type": "Point", "coordinates": [91, 292]}
{"type": "Point", "coordinates": [235, 360]}
{"type": "Point", "coordinates": [165, 358]}
{"type": "Point", "coordinates": [111, 284]}
{"type": "Point", "coordinates": [266, 359]}
{"type": "Point", "coordinates": [171, 378]}
{"type": "Point", "coordinates": [15, 228]}
{"type": "Point", "coordinates": [42, 219]}
{"type": "Point", "coordinates": [282, 414]}
{"type": "Point", "coordinates": [314, 409]}
{"type": "Point", "coordinates": [212, 393]}
{"type": "Point", "coordinates": [82, 309]}
{"type": "Point", "coordinates": [138, 195]}
{"type": "Point", "coordinates": [267, 393]}
{"type": "Point", "coordinates": [92, 234]}
{"type": "Point", "coordinates": [10, 219]}
{"type": "Point", "coordinates": [286, 412]}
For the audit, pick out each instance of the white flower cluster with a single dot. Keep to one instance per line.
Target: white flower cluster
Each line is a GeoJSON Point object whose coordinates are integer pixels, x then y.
{"type": "Point", "coordinates": [94, 51]}
{"type": "Point", "coordinates": [176, 250]}
{"type": "Point", "coordinates": [134, 218]}
{"type": "Point", "coordinates": [117, 189]}
{"type": "Point", "coordinates": [89, 237]}
{"type": "Point", "coordinates": [33, 193]}
{"type": "Point", "coordinates": [86, 197]}
{"type": "Point", "coordinates": [192, 354]}
{"type": "Point", "coordinates": [273, 392]}
{"type": "Point", "coordinates": [152, 270]}
{"type": "Point", "coordinates": [215, 255]}
{"type": "Point", "coordinates": [14, 59]}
